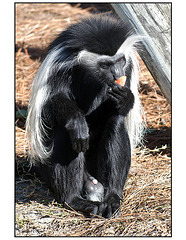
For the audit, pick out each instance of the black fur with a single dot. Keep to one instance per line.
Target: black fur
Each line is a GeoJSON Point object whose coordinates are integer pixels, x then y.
{"type": "Point", "coordinates": [85, 118]}
{"type": "Point", "coordinates": [101, 35]}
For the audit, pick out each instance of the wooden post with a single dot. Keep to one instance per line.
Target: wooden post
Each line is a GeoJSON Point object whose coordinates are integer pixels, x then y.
{"type": "Point", "coordinates": [152, 20]}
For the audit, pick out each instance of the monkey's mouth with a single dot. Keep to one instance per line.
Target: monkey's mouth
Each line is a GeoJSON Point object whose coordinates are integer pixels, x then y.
{"type": "Point", "coordinates": [121, 81]}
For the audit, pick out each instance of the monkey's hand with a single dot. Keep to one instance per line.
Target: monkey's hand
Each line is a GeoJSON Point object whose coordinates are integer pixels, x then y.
{"type": "Point", "coordinates": [79, 133]}
{"type": "Point", "coordinates": [122, 98]}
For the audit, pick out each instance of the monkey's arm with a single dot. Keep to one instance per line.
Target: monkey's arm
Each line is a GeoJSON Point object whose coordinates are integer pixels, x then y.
{"type": "Point", "coordinates": [122, 98]}
{"type": "Point", "coordinates": [65, 113]}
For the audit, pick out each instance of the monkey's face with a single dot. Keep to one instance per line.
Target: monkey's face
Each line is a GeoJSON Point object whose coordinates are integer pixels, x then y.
{"type": "Point", "coordinates": [111, 68]}
{"type": "Point", "coordinates": [105, 68]}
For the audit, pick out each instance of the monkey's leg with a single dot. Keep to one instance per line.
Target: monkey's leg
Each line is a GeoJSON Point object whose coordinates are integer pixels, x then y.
{"type": "Point", "coordinates": [114, 157]}
{"type": "Point", "coordinates": [64, 175]}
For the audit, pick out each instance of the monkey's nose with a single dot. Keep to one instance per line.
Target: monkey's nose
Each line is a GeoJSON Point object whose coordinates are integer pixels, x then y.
{"type": "Point", "coordinates": [116, 77]}
{"type": "Point", "coordinates": [117, 73]}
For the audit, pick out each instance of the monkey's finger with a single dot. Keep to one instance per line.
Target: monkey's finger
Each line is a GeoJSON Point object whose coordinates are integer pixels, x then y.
{"type": "Point", "coordinates": [111, 84]}
{"type": "Point", "coordinates": [94, 211]}
{"type": "Point", "coordinates": [112, 97]}
{"type": "Point", "coordinates": [74, 146]}
{"type": "Point", "coordinates": [116, 95]}
{"type": "Point", "coordinates": [121, 96]}
{"type": "Point", "coordinates": [120, 91]}
{"type": "Point", "coordinates": [115, 88]}
{"type": "Point", "coordinates": [115, 101]}
{"type": "Point", "coordinates": [85, 145]}
{"type": "Point", "coordinates": [101, 209]}
{"type": "Point", "coordinates": [81, 146]}
{"type": "Point", "coordinates": [108, 211]}
{"type": "Point", "coordinates": [118, 98]}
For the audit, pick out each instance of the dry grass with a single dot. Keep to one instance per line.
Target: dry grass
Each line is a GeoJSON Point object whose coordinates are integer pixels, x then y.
{"type": "Point", "coordinates": [146, 208]}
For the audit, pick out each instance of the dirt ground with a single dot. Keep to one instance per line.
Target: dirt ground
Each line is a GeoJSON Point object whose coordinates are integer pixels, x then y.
{"type": "Point", "coordinates": [146, 207]}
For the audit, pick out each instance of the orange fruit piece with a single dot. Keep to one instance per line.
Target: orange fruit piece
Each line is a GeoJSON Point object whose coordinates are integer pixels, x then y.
{"type": "Point", "coordinates": [121, 81]}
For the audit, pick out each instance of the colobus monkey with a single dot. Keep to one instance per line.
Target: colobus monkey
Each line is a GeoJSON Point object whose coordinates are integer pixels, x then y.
{"type": "Point", "coordinates": [81, 124]}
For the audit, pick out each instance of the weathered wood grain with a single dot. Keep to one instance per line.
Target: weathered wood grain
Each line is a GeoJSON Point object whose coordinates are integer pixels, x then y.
{"type": "Point", "coordinates": [152, 20]}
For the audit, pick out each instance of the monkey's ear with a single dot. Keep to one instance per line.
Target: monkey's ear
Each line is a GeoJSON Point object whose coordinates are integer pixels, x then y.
{"type": "Point", "coordinates": [128, 44]}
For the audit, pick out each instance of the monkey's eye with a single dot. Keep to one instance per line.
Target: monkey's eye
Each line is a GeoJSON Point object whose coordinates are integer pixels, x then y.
{"type": "Point", "coordinates": [123, 61]}
{"type": "Point", "coordinates": [104, 65]}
